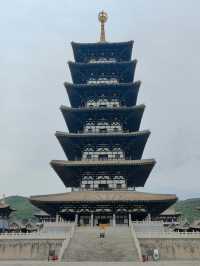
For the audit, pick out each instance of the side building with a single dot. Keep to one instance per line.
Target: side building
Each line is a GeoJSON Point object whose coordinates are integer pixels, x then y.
{"type": "Point", "coordinates": [5, 211]}
{"type": "Point", "coordinates": [104, 145]}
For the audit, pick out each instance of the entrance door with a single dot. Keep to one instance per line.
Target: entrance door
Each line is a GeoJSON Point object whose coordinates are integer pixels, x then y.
{"type": "Point", "coordinates": [122, 218]}
{"type": "Point", "coordinates": [103, 187]}
{"type": "Point", "coordinates": [103, 221]}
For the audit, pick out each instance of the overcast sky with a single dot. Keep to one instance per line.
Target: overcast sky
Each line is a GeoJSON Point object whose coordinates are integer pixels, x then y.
{"type": "Point", "coordinates": [35, 38]}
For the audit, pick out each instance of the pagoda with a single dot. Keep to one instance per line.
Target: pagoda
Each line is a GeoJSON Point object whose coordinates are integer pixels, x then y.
{"type": "Point", "coordinates": [104, 145]}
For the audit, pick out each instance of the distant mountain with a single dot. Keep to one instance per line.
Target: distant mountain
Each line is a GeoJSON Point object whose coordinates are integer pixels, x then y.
{"type": "Point", "coordinates": [188, 208]}
{"type": "Point", "coordinates": [25, 210]}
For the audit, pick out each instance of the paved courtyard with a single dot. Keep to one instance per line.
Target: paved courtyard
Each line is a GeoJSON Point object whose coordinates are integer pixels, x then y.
{"type": "Point", "coordinates": [42, 263]}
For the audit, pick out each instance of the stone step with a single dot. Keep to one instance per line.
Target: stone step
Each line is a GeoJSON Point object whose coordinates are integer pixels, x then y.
{"type": "Point", "coordinates": [86, 245]}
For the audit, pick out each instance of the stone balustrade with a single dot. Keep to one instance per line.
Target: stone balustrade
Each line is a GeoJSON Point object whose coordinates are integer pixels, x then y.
{"type": "Point", "coordinates": [168, 234]}
{"type": "Point", "coordinates": [148, 222]}
{"type": "Point", "coordinates": [35, 235]}
{"type": "Point", "coordinates": [57, 223]}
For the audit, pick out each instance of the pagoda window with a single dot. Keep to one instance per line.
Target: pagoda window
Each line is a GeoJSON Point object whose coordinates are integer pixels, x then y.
{"type": "Point", "coordinates": [87, 178]}
{"type": "Point", "coordinates": [114, 80]}
{"type": "Point", "coordinates": [88, 153]}
{"type": "Point", "coordinates": [102, 105]}
{"type": "Point", "coordinates": [103, 186]}
{"type": "Point", "coordinates": [102, 102]}
{"type": "Point", "coordinates": [91, 103]}
{"type": "Point", "coordinates": [117, 156]}
{"type": "Point", "coordinates": [107, 80]}
{"type": "Point", "coordinates": [87, 186]}
{"type": "Point", "coordinates": [91, 81]}
{"type": "Point", "coordinates": [115, 102]}
{"type": "Point", "coordinates": [117, 153]}
{"type": "Point", "coordinates": [116, 126]}
{"type": "Point", "coordinates": [103, 157]}
{"type": "Point", "coordinates": [103, 177]}
{"type": "Point", "coordinates": [119, 186]}
{"type": "Point", "coordinates": [118, 177]}
{"type": "Point", "coordinates": [92, 60]}
{"type": "Point", "coordinates": [103, 130]}
{"type": "Point", "coordinates": [102, 125]}
{"type": "Point", "coordinates": [89, 126]}
{"type": "Point", "coordinates": [88, 156]}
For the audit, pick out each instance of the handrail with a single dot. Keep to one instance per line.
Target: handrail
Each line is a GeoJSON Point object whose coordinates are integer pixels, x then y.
{"type": "Point", "coordinates": [147, 222]}
{"type": "Point", "coordinates": [169, 234]}
{"type": "Point", "coordinates": [136, 241]}
{"type": "Point", "coordinates": [66, 242]}
{"type": "Point", "coordinates": [31, 236]}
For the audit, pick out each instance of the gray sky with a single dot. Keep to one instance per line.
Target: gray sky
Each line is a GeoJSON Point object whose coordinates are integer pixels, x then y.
{"type": "Point", "coordinates": [35, 38]}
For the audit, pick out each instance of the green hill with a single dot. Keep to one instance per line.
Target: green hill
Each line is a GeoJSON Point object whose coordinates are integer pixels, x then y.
{"type": "Point", "coordinates": [25, 210]}
{"type": "Point", "coordinates": [188, 208]}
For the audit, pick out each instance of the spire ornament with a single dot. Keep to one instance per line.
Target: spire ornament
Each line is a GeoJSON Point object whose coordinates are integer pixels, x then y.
{"type": "Point", "coordinates": [103, 16]}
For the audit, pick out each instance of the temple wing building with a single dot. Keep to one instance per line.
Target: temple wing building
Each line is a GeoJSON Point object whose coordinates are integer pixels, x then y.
{"type": "Point", "coordinates": [104, 143]}
{"type": "Point", "coordinates": [5, 211]}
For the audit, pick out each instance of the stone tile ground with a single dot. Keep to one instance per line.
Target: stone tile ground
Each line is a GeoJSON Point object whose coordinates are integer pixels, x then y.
{"type": "Point", "coordinates": [42, 263]}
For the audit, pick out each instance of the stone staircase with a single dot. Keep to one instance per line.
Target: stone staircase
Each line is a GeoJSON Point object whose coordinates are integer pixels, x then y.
{"type": "Point", "coordinates": [86, 245]}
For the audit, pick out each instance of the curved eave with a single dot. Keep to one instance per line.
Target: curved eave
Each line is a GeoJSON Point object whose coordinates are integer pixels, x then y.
{"type": "Point", "coordinates": [132, 143]}
{"type": "Point", "coordinates": [82, 72]}
{"type": "Point", "coordinates": [136, 171]}
{"type": "Point", "coordinates": [6, 208]}
{"type": "Point", "coordinates": [130, 116]}
{"type": "Point", "coordinates": [85, 51]}
{"type": "Point", "coordinates": [156, 203]}
{"type": "Point", "coordinates": [79, 92]}
{"type": "Point", "coordinates": [177, 214]}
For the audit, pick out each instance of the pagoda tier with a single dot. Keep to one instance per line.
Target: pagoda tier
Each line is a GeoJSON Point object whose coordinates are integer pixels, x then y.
{"type": "Point", "coordinates": [135, 172]}
{"type": "Point", "coordinates": [86, 202]}
{"type": "Point", "coordinates": [80, 93]}
{"type": "Point", "coordinates": [128, 117]}
{"type": "Point", "coordinates": [132, 144]}
{"type": "Point", "coordinates": [102, 51]}
{"type": "Point", "coordinates": [97, 73]}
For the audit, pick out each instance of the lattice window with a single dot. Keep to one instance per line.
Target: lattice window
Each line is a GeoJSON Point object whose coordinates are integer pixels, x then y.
{"type": "Point", "coordinates": [91, 103]}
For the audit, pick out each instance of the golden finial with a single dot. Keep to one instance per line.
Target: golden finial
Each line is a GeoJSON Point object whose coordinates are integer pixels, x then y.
{"type": "Point", "coordinates": [103, 16]}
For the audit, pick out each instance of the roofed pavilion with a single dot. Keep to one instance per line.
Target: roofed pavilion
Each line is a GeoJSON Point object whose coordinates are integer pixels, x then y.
{"type": "Point", "coordinates": [5, 211]}
{"type": "Point", "coordinates": [104, 144]}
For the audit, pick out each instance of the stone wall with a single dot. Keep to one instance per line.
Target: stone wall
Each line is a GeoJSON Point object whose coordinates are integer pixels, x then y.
{"type": "Point", "coordinates": [172, 249]}
{"type": "Point", "coordinates": [24, 249]}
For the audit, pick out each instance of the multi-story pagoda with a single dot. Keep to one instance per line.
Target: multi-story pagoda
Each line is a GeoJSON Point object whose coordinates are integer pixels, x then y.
{"type": "Point", "coordinates": [104, 145]}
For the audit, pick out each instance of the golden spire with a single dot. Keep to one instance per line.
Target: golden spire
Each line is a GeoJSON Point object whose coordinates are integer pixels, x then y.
{"type": "Point", "coordinates": [103, 16]}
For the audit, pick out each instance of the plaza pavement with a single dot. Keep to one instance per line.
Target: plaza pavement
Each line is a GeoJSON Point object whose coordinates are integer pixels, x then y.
{"type": "Point", "coordinates": [43, 263]}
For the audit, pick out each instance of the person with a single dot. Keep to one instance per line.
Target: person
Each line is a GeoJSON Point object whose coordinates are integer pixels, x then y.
{"type": "Point", "coordinates": [156, 254]}
{"type": "Point", "coordinates": [102, 233]}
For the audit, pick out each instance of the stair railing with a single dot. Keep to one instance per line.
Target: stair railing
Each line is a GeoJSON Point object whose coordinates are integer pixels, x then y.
{"type": "Point", "coordinates": [66, 242]}
{"type": "Point", "coordinates": [136, 242]}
